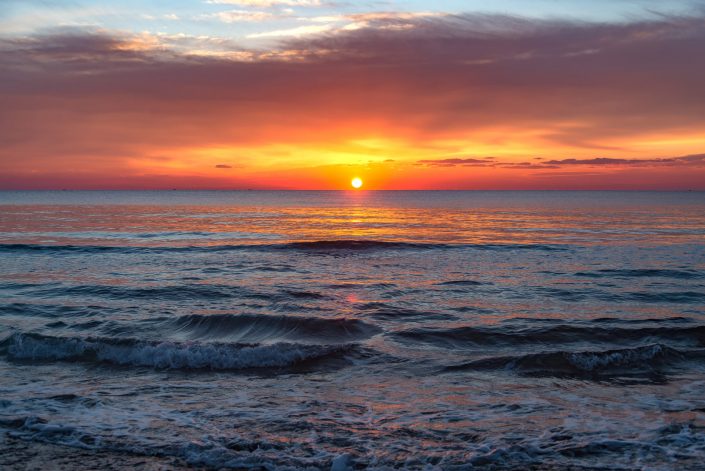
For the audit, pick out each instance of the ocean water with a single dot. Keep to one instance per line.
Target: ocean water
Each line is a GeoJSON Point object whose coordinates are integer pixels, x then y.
{"type": "Point", "coordinates": [351, 330]}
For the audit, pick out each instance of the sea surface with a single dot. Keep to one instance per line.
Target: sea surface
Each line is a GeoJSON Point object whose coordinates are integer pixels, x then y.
{"type": "Point", "coordinates": [351, 330]}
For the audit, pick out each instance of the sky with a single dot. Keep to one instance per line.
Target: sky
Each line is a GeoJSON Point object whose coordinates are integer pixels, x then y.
{"type": "Point", "coordinates": [308, 94]}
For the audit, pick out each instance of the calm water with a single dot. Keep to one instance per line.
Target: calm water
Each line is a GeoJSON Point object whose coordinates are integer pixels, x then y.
{"type": "Point", "coordinates": [464, 330]}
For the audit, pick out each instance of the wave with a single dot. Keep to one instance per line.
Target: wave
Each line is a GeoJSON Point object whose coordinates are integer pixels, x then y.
{"type": "Point", "coordinates": [461, 283]}
{"type": "Point", "coordinates": [379, 310]}
{"type": "Point", "coordinates": [371, 244]}
{"type": "Point", "coordinates": [357, 244]}
{"type": "Point", "coordinates": [678, 297]}
{"type": "Point", "coordinates": [294, 294]}
{"type": "Point", "coordinates": [53, 310]}
{"type": "Point", "coordinates": [222, 291]}
{"type": "Point", "coordinates": [628, 361]}
{"type": "Point", "coordinates": [186, 291]}
{"type": "Point", "coordinates": [306, 246]}
{"type": "Point", "coordinates": [259, 328]}
{"type": "Point", "coordinates": [649, 320]}
{"type": "Point", "coordinates": [67, 248]}
{"type": "Point", "coordinates": [504, 336]}
{"type": "Point", "coordinates": [608, 320]}
{"type": "Point", "coordinates": [644, 273]}
{"type": "Point", "coordinates": [586, 294]}
{"type": "Point", "coordinates": [167, 355]}
{"type": "Point", "coordinates": [175, 292]}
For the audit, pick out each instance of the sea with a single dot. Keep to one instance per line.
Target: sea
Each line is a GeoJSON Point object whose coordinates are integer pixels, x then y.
{"type": "Point", "coordinates": [357, 329]}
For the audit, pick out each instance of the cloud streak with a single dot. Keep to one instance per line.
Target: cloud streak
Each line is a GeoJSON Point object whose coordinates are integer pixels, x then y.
{"type": "Point", "coordinates": [298, 31]}
{"type": "Point", "coordinates": [269, 3]}
{"type": "Point", "coordinates": [238, 16]}
{"type": "Point", "coordinates": [458, 162]}
{"type": "Point", "coordinates": [696, 160]}
{"type": "Point", "coordinates": [689, 160]}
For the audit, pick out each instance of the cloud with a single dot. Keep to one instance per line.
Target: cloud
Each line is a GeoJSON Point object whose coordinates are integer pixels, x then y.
{"type": "Point", "coordinates": [691, 160]}
{"type": "Point", "coordinates": [237, 16]}
{"type": "Point", "coordinates": [372, 20]}
{"type": "Point", "coordinates": [696, 160]}
{"type": "Point", "coordinates": [269, 3]}
{"type": "Point", "coordinates": [298, 31]}
{"type": "Point", "coordinates": [469, 84]}
{"type": "Point", "coordinates": [453, 162]}
{"type": "Point", "coordinates": [223, 166]}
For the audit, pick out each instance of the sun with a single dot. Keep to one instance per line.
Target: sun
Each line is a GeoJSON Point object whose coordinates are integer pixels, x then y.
{"type": "Point", "coordinates": [356, 182]}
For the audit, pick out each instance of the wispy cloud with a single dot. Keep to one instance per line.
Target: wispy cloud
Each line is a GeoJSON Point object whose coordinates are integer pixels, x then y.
{"type": "Point", "coordinates": [297, 32]}
{"type": "Point", "coordinates": [269, 3]}
{"type": "Point", "coordinates": [375, 20]}
{"type": "Point", "coordinates": [53, 15]}
{"type": "Point", "coordinates": [373, 16]}
{"type": "Point", "coordinates": [689, 160]}
{"type": "Point", "coordinates": [696, 160]}
{"type": "Point", "coordinates": [453, 162]}
{"type": "Point", "coordinates": [238, 16]}
{"type": "Point", "coordinates": [166, 16]}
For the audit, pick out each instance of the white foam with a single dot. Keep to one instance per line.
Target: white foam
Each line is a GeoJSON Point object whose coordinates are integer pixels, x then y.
{"type": "Point", "coordinates": [592, 361]}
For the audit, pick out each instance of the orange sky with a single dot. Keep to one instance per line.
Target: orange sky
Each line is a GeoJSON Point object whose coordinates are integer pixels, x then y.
{"type": "Point", "coordinates": [405, 104]}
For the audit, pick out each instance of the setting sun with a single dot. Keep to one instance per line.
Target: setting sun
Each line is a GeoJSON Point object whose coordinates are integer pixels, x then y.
{"type": "Point", "coordinates": [356, 182]}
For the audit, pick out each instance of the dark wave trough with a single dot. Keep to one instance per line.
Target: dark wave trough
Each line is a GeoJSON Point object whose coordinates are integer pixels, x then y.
{"type": "Point", "coordinates": [648, 359]}
{"type": "Point", "coordinates": [468, 336]}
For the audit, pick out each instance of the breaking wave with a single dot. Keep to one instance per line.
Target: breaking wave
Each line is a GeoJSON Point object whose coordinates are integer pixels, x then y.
{"type": "Point", "coordinates": [503, 336]}
{"type": "Point", "coordinates": [638, 360]}
{"type": "Point", "coordinates": [166, 355]}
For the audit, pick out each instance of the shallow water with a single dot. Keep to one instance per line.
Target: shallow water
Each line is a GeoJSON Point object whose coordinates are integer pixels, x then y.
{"type": "Point", "coordinates": [370, 329]}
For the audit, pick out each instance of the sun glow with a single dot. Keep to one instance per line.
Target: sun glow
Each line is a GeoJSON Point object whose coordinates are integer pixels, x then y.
{"type": "Point", "coordinates": [356, 182]}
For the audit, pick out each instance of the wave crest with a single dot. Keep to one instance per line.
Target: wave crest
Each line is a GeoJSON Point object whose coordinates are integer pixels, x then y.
{"type": "Point", "coordinates": [644, 359]}
{"type": "Point", "coordinates": [166, 355]}
{"type": "Point", "coordinates": [258, 328]}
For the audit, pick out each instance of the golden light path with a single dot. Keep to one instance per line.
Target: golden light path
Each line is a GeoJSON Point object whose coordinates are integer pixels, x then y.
{"type": "Point", "coordinates": [356, 182]}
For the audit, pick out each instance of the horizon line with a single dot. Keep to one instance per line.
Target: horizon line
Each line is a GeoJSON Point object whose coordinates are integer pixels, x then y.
{"type": "Point", "coordinates": [635, 190]}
